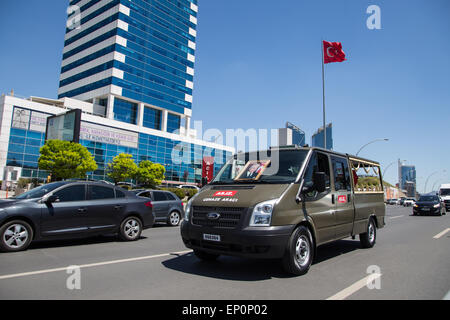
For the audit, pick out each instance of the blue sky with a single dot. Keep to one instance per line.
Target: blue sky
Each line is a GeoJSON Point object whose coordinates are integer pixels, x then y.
{"type": "Point", "coordinates": [258, 66]}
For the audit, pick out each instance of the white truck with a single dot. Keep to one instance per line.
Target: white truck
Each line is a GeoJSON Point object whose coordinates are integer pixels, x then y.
{"type": "Point", "coordinates": [444, 193]}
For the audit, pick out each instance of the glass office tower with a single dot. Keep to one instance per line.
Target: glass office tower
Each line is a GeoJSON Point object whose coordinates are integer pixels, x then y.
{"type": "Point", "coordinates": [317, 138]}
{"type": "Point", "coordinates": [128, 55]}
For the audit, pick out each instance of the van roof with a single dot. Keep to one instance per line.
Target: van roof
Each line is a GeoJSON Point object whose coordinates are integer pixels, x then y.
{"type": "Point", "coordinates": [445, 186]}
{"type": "Point", "coordinates": [328, 151]}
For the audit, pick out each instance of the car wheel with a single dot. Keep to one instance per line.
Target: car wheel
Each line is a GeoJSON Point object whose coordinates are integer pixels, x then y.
{"type": "Point", "coordinates": [299, 254]}
{"type": "Point", "coordinates": [15, 236]}
{"type": "Point", "coordinates": [130, 229]}
{"type": "Point", "coordinates": [205, 256]}
{"type": "Point", "coordinates": [369, 237]}
{"type": "Point", "coordinates": [174, 219]}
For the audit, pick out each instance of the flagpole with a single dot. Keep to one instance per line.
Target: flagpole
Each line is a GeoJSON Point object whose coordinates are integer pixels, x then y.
{"type": "Point", "coordinates": [323, 93]}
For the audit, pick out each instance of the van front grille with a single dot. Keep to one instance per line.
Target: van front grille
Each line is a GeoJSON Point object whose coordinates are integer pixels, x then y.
{"type": "Point", "coordinates": [229, 217]}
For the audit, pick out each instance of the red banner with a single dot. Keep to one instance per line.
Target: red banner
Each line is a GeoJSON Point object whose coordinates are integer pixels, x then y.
{"type": "Point", "coordinates": [208, 168]}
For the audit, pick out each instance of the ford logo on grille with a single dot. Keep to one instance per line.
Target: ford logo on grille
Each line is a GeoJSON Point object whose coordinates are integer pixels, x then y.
{"type": "Point", "coordinates": [213, 216]}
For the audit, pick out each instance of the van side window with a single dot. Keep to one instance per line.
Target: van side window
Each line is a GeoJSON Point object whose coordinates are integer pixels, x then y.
{"type": "Point", "coordinates": [341, 174]}
{"type": "Point", "coordinates": [318, 163]}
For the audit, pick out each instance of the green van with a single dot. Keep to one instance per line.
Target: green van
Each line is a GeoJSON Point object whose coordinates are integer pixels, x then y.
{"type": "Point", "coordinates": [284, 203]}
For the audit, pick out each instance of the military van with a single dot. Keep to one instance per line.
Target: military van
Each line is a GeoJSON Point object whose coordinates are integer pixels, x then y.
{"type": "Point", "coordinates": [284, 203]}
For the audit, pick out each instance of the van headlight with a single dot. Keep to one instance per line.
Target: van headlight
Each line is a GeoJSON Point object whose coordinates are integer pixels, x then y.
{"type": "Point", "coordinates": [437, 205]}
{"type": "Point", "coordinates": [262, 214]}
{"type": "Point", "coordinates": [188, 210]}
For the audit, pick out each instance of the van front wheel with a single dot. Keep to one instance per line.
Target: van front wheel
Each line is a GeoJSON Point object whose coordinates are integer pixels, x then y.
{"type": "Point", "coordinates": [369, 237]}
{"type": "Point", "coordinates": [299, 254]}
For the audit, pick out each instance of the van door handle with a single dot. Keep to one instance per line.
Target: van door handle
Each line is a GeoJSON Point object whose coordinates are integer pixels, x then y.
{"type": "Point", "coordinates": [82, 210]}
{"type": "Point", "coordinates": [118, 207]}
{"type": "Point", "coordinates": [332, 199]}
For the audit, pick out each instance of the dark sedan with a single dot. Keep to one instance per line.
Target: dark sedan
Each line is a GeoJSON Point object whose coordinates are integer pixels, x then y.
{"type": "Point", "coordinates": [64, 210]}
{"type": "Point", "coordinates": [429, 204]}
{"type": "Point", "coordinates": [166, 206]}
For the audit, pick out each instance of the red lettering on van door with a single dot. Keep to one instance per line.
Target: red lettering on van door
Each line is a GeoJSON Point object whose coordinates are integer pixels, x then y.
{"type": "Point", "coordinates": [342, 199]}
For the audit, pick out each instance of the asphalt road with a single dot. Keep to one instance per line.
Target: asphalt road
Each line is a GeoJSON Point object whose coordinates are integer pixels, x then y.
{"type": "Point", "coordinates": [411, 254]}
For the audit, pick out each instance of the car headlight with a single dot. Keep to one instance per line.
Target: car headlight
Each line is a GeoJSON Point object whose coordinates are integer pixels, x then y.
{"type": "Point", "coordinates": [437, 205]}
{"type": "Point", "coordinates": [262, 214]}
{"type": "Point", "coordinates": [415, 205]}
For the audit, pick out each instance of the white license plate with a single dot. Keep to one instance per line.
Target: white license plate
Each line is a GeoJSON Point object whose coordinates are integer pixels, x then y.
{"type": "Point", "coordinates": [211, 237]}
{"type": "Point", "coordinates": [425, 209]}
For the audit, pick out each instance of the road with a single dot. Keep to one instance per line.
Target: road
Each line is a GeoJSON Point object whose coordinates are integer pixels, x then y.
{"type": "Point", "coordinates": [411, 254]}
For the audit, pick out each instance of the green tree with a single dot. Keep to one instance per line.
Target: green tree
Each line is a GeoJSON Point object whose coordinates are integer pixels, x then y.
{"type": "Point", "coordinates": [150, 174]}
{"type": "Point", "coordinates": [66, 160]}
{"type": "Point", "coordinates": [122, 168]}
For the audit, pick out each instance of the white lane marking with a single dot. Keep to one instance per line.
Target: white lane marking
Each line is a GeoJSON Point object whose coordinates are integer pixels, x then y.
{"type": "Point", "coordinates": [395, 217]}
{"type": "Point", "coordinates": [24, 274]}
{"type": "Point", "coordinates": [441, 233]}
{"type": "Point", "coordinates": [341, 295]}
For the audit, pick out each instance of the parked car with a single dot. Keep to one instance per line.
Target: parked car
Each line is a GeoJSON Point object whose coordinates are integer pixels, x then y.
{"type": "Point", "coordinates": [304, 199]}
{"type": "Point", "coordinates": [392, 201]}
{"type": "Point", "coordinates": [429, 204]}
{"type": "Point", "coordinates": [189, 187]}
{"type": "Point", "coordinates": [64, 210]}
{"type": "Point", "coordinates": [166, 206]}
{"type": "Point", "coordinates": [409, 202]}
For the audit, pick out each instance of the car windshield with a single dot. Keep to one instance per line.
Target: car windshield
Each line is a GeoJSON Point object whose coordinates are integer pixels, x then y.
{"type": "Point", "coordinates": [262, 167]}
{"type": "Point", "coordinates": [39, 192]}
{"type": "Point", "coordinates": [445, 192]}
{"type": "Point", "coordinates": [429, 198]}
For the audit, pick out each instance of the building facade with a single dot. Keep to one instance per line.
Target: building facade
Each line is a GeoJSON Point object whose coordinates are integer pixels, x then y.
{"type": "Point", "coordinates": [129, 66]}
{"type": "Point", "coordinates": [291, 135]}
{"type": "Point", "coordinates": [317, 138]}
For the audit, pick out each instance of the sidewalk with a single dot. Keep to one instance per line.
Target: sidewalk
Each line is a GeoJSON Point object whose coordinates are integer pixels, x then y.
{"type": "Point", "coordinates": [3, 194]}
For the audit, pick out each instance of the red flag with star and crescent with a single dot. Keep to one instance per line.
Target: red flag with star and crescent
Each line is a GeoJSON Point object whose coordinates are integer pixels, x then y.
{"type": "Point", "coordinates": [332, 52]}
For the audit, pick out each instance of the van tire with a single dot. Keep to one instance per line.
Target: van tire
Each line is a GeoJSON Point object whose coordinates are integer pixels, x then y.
{"type": "Point", "coordinates": [299, 253]}
{"type": "Point", "coordinates": [205, 256]}
{"type": "Point", "coordinates": [369, 238]}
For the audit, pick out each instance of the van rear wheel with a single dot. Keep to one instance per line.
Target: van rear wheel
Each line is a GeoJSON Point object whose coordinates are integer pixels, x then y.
{"type": "Point", "coordinates": [369, 237]}
{"type": "Point", "coordinates": [299, 253]}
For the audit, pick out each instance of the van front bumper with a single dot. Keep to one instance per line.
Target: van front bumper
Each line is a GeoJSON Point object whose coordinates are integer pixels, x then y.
{"type": "Point", "coordinates": [250, 242]}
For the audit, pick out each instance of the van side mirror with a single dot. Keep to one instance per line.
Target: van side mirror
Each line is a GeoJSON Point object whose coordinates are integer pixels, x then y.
{"type": "Point", "coordinates": [52, 199]}
{"type": "Point", "coordinates": [319, 181]}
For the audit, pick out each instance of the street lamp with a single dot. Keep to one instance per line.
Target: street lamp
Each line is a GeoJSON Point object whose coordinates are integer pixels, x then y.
{"type": "Point", "coordinates": [385, 139]}
{"type": "Point", "coordinates": [432, 174]}
{"type": "Point", "coordinates": [388, 166]}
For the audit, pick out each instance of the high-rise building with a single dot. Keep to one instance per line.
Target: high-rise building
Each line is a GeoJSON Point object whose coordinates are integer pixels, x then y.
{"type": "Point", "coordinates": [317, 138]}
{"type": "Point", "coordinates": [134, 60]}
{"type": "Point", "coordinates": [128, 65]}
{"type": "Point", "coordinates": [291, 135]}
{"type": "Point", "coordinates": [407, 178]}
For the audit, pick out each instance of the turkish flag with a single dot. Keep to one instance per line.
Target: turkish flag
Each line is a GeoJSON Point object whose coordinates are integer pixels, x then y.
{"type": "Point", "coordinates": [332, 52]}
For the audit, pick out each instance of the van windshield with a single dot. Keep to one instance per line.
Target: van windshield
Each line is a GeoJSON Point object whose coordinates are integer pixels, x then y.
{"type": "Point", "coordinates": [278, 167]}
{"type": "Point", "coordinates": [445, 192]}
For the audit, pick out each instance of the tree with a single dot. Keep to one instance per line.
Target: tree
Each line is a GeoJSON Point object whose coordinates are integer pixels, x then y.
{"type": "Point", "coordinates": [66, 160]}
{"type": "Point", "coordinates": [122, 168]}
{"type": "Point", "coordinates": [150, 174]}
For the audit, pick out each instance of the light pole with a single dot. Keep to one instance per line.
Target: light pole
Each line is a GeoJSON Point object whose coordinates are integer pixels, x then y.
{"type": "Point", "coordinates": [387, 167]}
{"type": "Point", "coordinates": [385, 139]}
{"type": "Point", "coordinates": [426, 181]}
